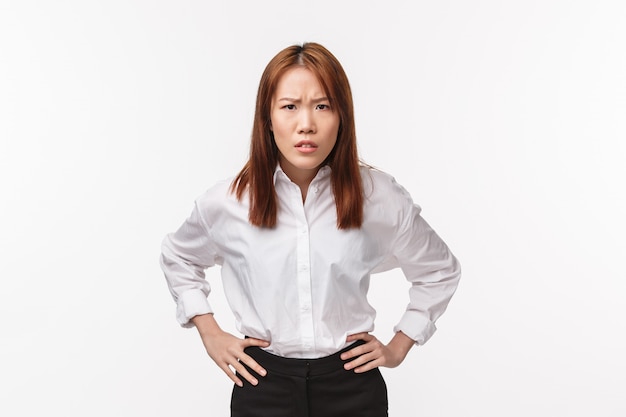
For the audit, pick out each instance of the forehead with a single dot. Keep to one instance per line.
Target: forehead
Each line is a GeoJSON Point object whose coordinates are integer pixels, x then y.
{"type": "Point", "coordinates": [298, 79]}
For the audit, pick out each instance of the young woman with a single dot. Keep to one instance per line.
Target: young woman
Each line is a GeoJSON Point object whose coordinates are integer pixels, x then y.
{"type": "Point", "coordinates": [297, 234]}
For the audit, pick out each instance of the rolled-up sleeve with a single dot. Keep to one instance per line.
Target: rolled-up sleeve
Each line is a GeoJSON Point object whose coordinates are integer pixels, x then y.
{"type": "Point", "coordinates": [430, 267]}
{"type": "Point", "coordinates": [185, 254]}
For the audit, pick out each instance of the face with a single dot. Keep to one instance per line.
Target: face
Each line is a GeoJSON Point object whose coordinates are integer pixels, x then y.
{"type": "Point", "coordinates": [305, 126]}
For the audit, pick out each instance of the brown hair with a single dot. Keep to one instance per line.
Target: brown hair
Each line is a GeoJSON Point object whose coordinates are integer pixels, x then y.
{"type": "Point", "coordinates": [257, 175]}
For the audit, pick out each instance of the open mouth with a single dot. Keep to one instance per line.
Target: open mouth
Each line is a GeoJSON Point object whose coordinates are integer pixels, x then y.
{"type": "Point", "coordinates": [306, 144]}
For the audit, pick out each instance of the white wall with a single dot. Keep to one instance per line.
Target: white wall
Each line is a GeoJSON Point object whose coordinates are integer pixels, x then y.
{"type": "Point", "coordinates": [504, 119]}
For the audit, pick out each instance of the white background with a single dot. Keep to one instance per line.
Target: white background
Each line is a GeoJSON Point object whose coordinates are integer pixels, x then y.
{"type": "Point", "coordinates": [504, 119]}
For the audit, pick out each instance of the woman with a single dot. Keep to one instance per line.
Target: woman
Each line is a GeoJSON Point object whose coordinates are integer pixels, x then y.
{"type": "Point", "coordinates": [297, 234]}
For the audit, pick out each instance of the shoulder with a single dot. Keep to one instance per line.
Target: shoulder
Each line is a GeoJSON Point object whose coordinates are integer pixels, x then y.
{"type": "Point", "coordinates": [217, 192]}
{"type": "Point", "coordinates": [383, 192]}
{"type": "Point", "coordinates": [219, 198]}
{"type": "Point", "coordinates": [377, 182]}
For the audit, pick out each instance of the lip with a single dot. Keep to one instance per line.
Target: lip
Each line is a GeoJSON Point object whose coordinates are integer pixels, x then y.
{"type": "Point", "coordinates": [306, 146]}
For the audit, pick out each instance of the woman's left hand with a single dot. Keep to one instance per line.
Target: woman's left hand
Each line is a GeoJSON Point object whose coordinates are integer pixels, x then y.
{"type": "Point", "coordinates": [374, 353]}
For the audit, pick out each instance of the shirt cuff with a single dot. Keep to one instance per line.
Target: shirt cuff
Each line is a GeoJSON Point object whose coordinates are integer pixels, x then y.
{"type": "Point", "coordinates": [416, 327]}
{"type": "Point", "coordinates": [191, 303]}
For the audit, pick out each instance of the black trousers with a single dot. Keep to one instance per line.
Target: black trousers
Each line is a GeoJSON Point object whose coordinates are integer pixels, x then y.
{"type": "Point", "coordinates": [309, 388]}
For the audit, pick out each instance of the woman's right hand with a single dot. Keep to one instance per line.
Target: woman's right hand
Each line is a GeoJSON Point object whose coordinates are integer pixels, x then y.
{"type": "Point", "coordinates": [226, 350]}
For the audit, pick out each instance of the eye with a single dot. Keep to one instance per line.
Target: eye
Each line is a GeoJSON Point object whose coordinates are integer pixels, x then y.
{"type": "Point", "coordinates": [289, 106]}
{"type": "Point", "coordinates": [322, 107]}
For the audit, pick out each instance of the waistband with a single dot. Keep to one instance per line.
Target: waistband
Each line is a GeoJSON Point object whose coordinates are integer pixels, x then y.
{"type": "Point", "coordinates": [300, 367]}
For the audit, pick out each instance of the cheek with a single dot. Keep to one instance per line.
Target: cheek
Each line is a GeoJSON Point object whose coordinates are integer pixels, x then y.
{"type": "Point", "coordinates": [278, 126]}
{"type": "Point", "coordinates": [335, 134]}
{"type": "Point", "coordinates": [335, 126]}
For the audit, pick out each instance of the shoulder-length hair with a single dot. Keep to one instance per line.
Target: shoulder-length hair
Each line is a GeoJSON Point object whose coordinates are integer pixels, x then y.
{"type": "Point", "coordinates": [257, 175]}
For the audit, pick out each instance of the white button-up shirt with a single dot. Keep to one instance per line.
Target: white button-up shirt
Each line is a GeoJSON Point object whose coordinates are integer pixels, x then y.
{"type": "Point", "coordinates": [303, 284]}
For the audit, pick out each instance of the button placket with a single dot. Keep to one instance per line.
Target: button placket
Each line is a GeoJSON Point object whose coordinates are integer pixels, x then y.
{"type": "Point", "coordinates": [303, 273]}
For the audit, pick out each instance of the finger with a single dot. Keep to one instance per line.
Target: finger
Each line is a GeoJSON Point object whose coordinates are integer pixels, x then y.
{"type": "Point", "coordinates": [251, 341]}
{"type": "Point", "coordinates": [231, 362]}
{"type": "Point", "coordinates": [368, 366]}
{"type": "Point", "coordinates": [229, 372]}
{"type": "Point", "coordinates": [243, 357]}
{"type": "Point", "coordinates": [371, 343]}
{"type": "Point", "coordinates": [354, 352]}
{"type": "Point", "coordinates": [243, 372]}
{"type": "Point", "coordinates": [361, 360]}
{"type": "Point", "coordinates": [369, 360]}
{"type": "Point", "coordinates": [359, 336]}
{"type": "Point", "coordinates": [252, 364]}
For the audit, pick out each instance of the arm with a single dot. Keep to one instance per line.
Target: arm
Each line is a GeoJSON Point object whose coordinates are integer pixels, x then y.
{"type": "Point", "coordinates": [185, 256]}
{"type": "Point", "coordinates": [433, 272]}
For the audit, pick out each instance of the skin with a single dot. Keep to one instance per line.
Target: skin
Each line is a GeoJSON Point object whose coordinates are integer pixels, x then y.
{"type": "Point", "coordinates": [300, 114]}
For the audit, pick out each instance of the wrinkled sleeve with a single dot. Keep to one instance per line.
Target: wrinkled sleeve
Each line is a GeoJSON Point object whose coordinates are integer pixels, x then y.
{"type": "Point", "coordinates": [430, 267]}
{"type": "Point", "coordinates": [185, 254]}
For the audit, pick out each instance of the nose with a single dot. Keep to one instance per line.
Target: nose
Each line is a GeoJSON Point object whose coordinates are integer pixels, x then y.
{"type": "Point", "coordinates": [306, 121]}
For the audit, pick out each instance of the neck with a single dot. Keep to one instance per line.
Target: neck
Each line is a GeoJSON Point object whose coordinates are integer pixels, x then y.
{"type": "Point", "coordinates": [301, 177]}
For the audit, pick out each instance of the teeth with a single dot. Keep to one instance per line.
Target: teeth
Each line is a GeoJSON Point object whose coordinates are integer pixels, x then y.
{"type": "Point", "coordinates": [306, 145]}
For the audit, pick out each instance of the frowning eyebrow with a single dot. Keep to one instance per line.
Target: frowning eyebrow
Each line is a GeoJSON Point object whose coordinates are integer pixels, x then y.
{"type": "Point", "coordinates": [297, 100]}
